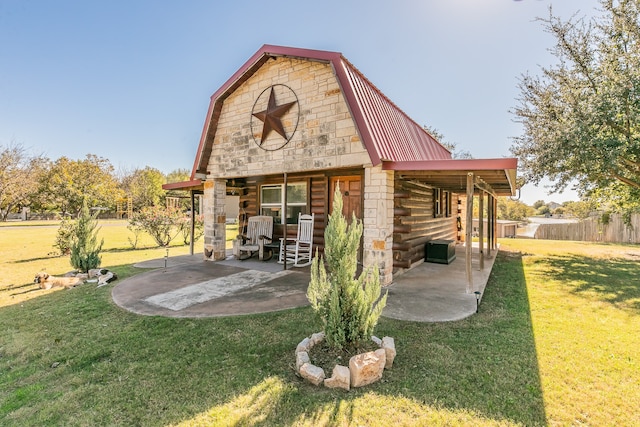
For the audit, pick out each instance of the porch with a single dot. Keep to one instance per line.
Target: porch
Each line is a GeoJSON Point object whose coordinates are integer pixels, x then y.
{"type": "Point", "coordinates": [191, 287]}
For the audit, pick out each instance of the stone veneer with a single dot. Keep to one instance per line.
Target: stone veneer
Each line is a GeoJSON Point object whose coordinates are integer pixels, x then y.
{"type": "Point", "coordinates": [378, 221]}
{"type": "Point", "coordinates": [215, 220]}
{"type": "Point", "coordinates": [325, 138]}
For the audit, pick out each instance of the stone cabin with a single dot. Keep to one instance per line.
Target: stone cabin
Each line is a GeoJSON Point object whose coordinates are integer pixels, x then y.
{"type": "Point", "coordinates": [310, 119]}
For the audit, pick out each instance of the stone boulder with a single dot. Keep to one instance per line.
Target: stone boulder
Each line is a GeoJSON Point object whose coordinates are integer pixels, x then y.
{"type": "Point", "coordinates": [389, 346]}
{"type": "Point", "coordinates": [302, 357]}
{"type": "Point", "coordinates": [367, 368]}
{"type": "Point", "coordinates": [304, 345]}
{"type": "Point", "coordinates": [341, 378]}
{"type": "Point", "coordinates": [312, 373]}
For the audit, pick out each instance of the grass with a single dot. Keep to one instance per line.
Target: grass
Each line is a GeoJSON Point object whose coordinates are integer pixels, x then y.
{"type": "Point", "coordinates": [555, 343]}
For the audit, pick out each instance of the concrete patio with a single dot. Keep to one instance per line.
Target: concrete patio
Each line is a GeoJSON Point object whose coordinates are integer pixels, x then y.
{"type": "Point", "coordinates": [187, 286]}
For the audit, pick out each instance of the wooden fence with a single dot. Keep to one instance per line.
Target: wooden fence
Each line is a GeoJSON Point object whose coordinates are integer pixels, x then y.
{"type": "Point", "coordinates": [593, 230]}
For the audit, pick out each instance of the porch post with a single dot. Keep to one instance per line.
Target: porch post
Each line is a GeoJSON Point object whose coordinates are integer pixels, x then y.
{"type": "Point", "coordinates": [468, 228]}
{"type": "Point", "coordinates": [490, 229]}
{"type": "Point", "coordinates": [193, 220]}
{"type": "Point", "coordinates": [284, 215]}
{"type": "Point", "coordinates": [481, 227]}
{"type": "Point", "coordinates": [215, 234]}
{"type": "Point", "coordinates": [495, 223]}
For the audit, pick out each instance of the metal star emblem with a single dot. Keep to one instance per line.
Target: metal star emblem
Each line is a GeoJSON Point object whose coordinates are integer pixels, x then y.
{"type": "Point", "coordinates": [271, 117]}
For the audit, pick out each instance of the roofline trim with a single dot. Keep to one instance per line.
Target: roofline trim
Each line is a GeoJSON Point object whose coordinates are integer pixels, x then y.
{"type": "Point", "coordinates": [505, 163]}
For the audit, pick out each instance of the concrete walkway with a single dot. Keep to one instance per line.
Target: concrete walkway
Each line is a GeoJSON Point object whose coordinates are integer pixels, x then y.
{"type": "Point", "coordinates": [437, 292]}
{"type": "Point", "coordinates": [187, 286]}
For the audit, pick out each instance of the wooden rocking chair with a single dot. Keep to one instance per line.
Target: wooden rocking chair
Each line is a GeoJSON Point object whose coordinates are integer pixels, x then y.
{"type": "Point", "coordinates": [259, 232]}
{"type": "Point", "coordinates": [299, 250]}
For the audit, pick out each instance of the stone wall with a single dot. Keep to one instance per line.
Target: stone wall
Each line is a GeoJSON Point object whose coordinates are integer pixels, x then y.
{"type": "Point", "coordinates": [325, 134]}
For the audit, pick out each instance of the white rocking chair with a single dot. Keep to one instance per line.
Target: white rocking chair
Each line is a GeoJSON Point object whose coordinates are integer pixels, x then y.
{"type": "Point", "coordinates": [299, 250]}
{"type": "Point", "coordinates": [259, 232]}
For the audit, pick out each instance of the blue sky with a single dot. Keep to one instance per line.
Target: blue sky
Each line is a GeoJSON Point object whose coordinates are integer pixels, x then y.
{"type": "Point", "coordinates": [131, 80]}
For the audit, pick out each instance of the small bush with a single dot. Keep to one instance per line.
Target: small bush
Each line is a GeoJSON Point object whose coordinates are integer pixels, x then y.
{"type": "Point", "coordinates": [348, 307]}
{"type": "Point", "coordinates": [162, 224]}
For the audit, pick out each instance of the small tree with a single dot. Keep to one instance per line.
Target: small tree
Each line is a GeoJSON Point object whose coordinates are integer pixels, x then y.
{"type": "Point", "coordinates": [184, 224]}
{"type": "Point", "coordinates": [85, 249]}
{"type": "Point", "coordinates": [346, 305]}
{"type": "Point", "coordinates": [160, 223]}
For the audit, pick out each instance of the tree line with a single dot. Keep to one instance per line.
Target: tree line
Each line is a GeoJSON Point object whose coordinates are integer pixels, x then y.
{"type": "Point", "coordinates": [61, 186]}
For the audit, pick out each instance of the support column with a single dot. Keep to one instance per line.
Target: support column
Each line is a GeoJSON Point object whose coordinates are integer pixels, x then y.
{"type": "Point", "coordinates": [490, 230]}
{"type": "Point", "coordinates": [193, 222]}
{"type": "Point", "coordinates": [481, 227]}
{"type": "Point", "coordinates": [468, 228]}
{"type": "Point", "coordinates": [495, 223]}
{"type": "Point", "coordinates": [215, 219]}
{"type": "Point", "coordinates": [378, 222]}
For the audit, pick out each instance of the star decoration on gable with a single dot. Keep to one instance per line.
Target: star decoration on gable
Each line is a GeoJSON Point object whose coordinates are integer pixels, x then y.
{"type": "Point", "coordinates": [272, 117]}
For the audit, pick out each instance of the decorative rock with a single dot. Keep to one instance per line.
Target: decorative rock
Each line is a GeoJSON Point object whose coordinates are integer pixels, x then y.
{"type": "Point", "coordinates": [376, 340]}
{"type": "Point", "coordinates": [389, 346]}
{"type": "Point", "coordinates": [302, 357]}
{"type": "Point", "coordinates": [367, 368]}
{"type": "Point", "coordinates": [304, 345]}
{"type": "Point", "coordinates": [317, 338]}
{"type": "Point", "coordinates": [312, 373]}
{"type": "Point", "coordinates": [341, 378]}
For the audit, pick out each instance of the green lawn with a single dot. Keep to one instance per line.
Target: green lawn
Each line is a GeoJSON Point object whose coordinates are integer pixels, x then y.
{"type": "Point", "coordinates": [555, 343]}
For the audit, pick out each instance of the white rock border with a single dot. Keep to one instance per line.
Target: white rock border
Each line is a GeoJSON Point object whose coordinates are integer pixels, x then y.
{"type": "Point", "coordinates": [363, 369]}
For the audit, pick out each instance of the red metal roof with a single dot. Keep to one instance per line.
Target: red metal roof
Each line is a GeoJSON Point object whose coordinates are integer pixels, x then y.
{"type": "Point", "coordinates": [386, 131]}
{"type": "Point", "coordinates": [389, 135]}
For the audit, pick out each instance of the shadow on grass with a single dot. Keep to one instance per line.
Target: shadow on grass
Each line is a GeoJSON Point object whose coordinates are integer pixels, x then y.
{"type": "Point", "coordinates": [23, 261]}
{"type": "Point", "coordinates": [480, 371]}
{"type": "Point", "coordinates": [616, 281]}
{"type": "Point", "coordinates": [117, 368]}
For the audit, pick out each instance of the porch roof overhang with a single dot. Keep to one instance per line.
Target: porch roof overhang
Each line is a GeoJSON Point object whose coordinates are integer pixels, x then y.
{"type": "Point", "coordinates": [192, 185]}
{"type": "Point", "coordinates": [496, 176]}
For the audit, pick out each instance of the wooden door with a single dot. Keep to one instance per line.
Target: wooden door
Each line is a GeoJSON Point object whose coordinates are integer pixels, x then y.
{"type": "Point", "coordinates": [351, 189]}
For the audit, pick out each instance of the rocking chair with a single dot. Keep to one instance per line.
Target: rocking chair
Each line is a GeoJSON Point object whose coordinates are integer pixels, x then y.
{"type": "Point", "coordinates": [259, 232]}
{"type": "Point", "coordinates": [299, 250]}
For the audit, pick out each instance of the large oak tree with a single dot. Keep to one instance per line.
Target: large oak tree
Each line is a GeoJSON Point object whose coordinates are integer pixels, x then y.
{"type": "Point", "coordinates": [581, 116]}
{"type": "Point", "coordinates": [68, 183]}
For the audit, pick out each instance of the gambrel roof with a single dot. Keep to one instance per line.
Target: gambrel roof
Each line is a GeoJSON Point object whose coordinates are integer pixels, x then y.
{"type": "Point", "coordinates": [386, 131]}
{"type": "Point", "coordinates": [390, 137]}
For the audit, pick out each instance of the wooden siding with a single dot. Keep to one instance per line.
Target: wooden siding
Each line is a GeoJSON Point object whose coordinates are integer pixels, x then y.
{"type": "Point", "coordinates": [414, 222]}
{"type": "Point", "coordinates": [318, 202]}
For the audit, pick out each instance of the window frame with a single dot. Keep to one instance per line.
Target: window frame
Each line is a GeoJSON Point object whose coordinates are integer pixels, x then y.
{"type": "Point", "coordinates": [280, 205]}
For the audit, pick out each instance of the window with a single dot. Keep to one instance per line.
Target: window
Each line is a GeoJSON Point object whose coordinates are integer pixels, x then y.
{"type": "Point", "coordinates": [272, 201]}
{"type": "Point", "coordinates": [441, 203]}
